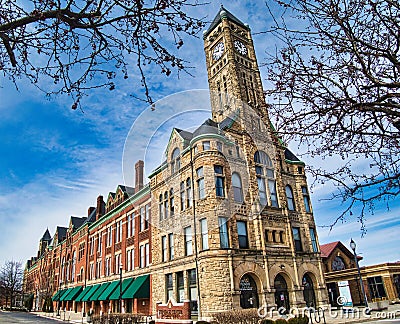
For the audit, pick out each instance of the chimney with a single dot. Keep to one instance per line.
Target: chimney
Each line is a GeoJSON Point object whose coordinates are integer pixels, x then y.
{"type": "Point", "coordinates": [100, 207]}
{"type": "Point", "coordinates": [90, 210]}
{"type": "Point", "coordinates": [139, 166]}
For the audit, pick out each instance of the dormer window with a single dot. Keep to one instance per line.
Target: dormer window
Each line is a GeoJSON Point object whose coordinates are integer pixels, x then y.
{"type": "Point", "coordinates": [175, 160]}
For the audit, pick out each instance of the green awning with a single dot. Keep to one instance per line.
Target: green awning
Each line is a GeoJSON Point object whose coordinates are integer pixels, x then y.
{"type": "Point", "coordinates": [140, 288]}
{"type": "Point", "coordinates": [57, 294]}
{"type": "Point", "coordinates": [125, 284]}
{"type": "Point", "coordinates": [83, 293]}
{"type": "Point", "coordinates": [109, 290]}
{"type": "Point", "coordinates": [64, 294]}
{"type": "Point", "coordinates": [73, 293]}
{"type": "Point", "coordinates": [90, 293]}
{"type": "Point", "coordinates": [99, 291]}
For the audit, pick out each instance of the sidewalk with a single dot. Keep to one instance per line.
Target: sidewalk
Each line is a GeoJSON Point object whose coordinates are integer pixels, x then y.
{"type": "Point", "coordinates": [331, 317]}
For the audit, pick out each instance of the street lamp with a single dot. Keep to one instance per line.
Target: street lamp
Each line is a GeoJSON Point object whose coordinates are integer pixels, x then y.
{"type": "Point", "coordinates": [353, 247]}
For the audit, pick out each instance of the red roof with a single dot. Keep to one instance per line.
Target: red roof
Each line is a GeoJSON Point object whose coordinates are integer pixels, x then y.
{"type": "Point", "coordinates": [326, 249]}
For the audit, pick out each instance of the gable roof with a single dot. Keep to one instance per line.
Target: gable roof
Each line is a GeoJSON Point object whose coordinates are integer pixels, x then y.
{"type": "Point", "coordinates": [126, 189]}
{"type": "Point", "coordinates": [223, 13]}
{"type": "Point", "coordinates": [92, 217]}
{"type": "Point", "coordinates": [327, 250]}
{"type": "Point", "coordinates": [61, 233]}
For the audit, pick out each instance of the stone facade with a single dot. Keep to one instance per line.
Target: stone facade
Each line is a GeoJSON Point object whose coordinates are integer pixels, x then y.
{"type": "Point", "coordinates": [258, 242]}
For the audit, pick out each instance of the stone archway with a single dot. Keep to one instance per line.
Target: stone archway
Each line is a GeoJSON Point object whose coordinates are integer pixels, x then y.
{"type": "Point", "coordinates": [281, 293]}
{"type": "Point", "coordinates": [248, 292]}
{"type": "Point", "coordinates": [308, 291]}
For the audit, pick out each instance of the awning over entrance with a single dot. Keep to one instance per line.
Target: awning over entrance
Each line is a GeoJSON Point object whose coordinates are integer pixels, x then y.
{"type": "Point", "coordinates": [73, 293]}
{"type": "Point", "coordinates": [89, 294]}
{"type": "Point", "coordinates": [109, 290]}
{"type": "Point", "coordinates": [99, 291]}
{"type": "Point", "coordinates": [140, 288]}
{"type": "Point", "coordinates": [125, 284]}
{"type": "Point", "coordinates": [62, 296]}
{"type": "Point", "coordinates": [58, 293]}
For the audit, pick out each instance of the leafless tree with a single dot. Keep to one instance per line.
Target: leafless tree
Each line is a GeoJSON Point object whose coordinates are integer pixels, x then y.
{"type": "Point", "coordinates": [71, 46]}
{"type": "Point", "coordinates": [11, 280]}
{"type": "Point", "coordinates": [337, 91]}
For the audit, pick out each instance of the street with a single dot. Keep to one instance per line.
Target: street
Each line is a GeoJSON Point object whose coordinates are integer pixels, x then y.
{"type": "Point", "coordinates": [22, 317]}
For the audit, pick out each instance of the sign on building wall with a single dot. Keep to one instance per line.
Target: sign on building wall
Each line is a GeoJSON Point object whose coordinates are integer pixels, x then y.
{"type": "Point", "coordinates": [344, 298]}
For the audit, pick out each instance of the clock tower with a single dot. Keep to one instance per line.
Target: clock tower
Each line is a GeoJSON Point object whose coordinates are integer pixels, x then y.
{"type": "Point", "coordinates": [233, 74]}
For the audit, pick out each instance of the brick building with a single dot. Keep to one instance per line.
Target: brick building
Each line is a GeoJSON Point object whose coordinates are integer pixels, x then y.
{"type": "Point", "coordinates": [381, 281]}
{"type": "Point", "coordinates": [231, 218]}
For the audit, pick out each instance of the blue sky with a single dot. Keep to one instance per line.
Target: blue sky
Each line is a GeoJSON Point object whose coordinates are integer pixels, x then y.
{"type": "Point", "coordinates": [56, 161]}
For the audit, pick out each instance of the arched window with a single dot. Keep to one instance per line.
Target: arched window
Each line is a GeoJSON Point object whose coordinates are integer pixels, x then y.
{"type": "Point", "coordinates": [175, 160]}
{"type": "Point", "coordinates": [308, 292]}
{"type": "Point", "coordinates": [338, 264]}
{"type": "Point", "coordinates": [265, 175]}
{"type": "Point", "coordinates": [248, 292]}
{"type": "Point", "coordinates": [237, 187]}
{"type": "Point", "coordinates": [289, 197]}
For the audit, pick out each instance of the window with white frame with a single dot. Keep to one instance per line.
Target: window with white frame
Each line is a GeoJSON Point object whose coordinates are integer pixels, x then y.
{"type": "Point", "coordinates": [175, 160]}
{"type": "Point", "coordinates": [171, 246]}
{"type": "Point", "coordinates": [206, 145]}
{"type": "Point", "coordinates": [91, 271]}
{"type": "Point", "coordinates": [98, 268]}
{"type": "Point", "coordinates": [108, 266]}
{"type": "Point", "coordinates": [189, 200]}
{"type": "Point", "coordinates": [204, 234]}
{"type": "Point", "coordinates": [142, 255]}
{"type": "Point", "coordinates": [237, 187]}
{"type": "Point", "coordinates": [130, 259]}
{"type": "Point", "coordinates": [188, 240]}
{"type": "Point", "coordinates": [164, 248]}
{"type": "Point", "coordinates": [182, 195]}
{"type": "Point", "coordinates": [147, 253]}
{"type": "Point", "coordinates": [223, 232]}
{"type": "Point", "coordinates": [201, 192]}
{"type": "Point", "coordinates": [118, 231]}
{"type": "Point", "coordinates": [99, 243]}
{"type": "Point", "coordinates": [118, 263]}
{"type": "Point", "coordinates": [109, 236]}
{"type": "Point", "coordinates": [265, 175]}
{"type": "Point", "coordinates": [130, 229]}
{"type": "Point", "coordinates": [166, 201]}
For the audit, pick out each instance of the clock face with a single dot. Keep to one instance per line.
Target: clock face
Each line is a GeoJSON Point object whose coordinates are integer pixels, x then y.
{"type": "Point", "coordinates": [240, 47]}
{"type": "Point", "coordinates": [218, 51]}
{"type": "Point", "coordinates": [338, 264]}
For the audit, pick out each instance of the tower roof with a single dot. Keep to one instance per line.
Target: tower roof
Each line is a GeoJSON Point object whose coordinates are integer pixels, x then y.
{"type": "Point", "coordinates": [46, 236]}
{"type": "Point", "coordinates": [223, 13]}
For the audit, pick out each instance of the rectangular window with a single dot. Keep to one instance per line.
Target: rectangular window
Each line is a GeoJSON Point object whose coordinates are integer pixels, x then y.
{"type": "Point", "coordinates": [109, 236]}
{"type": "Point", "coordinates": [164, 248]}
{"type": "Point", "coordinates": [189, 193]}
{"type": "Point", "coordinates": [204, 234]}
{"type": "Point", "coordinates": [130, 259]}
{"type": "Point", "coordinates": [188, 241]}
{"type": "Point", "coordinates": [98, 269]}
{"type": "Point", "coordinates": [130, 230]}
{"type": "Point", "coordinates": [182, 195]}
{"type": "Point", "coordinates": [99, 244]}
{"type": "Point", "coordinates": [219, 181]}
{"type": "Point", "coordinates": [272, 192]}
{"type": "Point", "coordinates": [108, 266]}
{"type": "Point", "coordinates": [206, 145]}
{"type": "Point", "coordinates": [306, 199]}
{"type": "Point", "coordinates": [171, 202]}
{"type": "Point", "coordinates": [262, 191]}
{"type": "Point", "coordinates": [201, 192]}
{"type": "Point", "coordinates": [91, 271]}
{"type": "Point", "coordinates": [297, 239]}
{"type": "Point", "coordinates": [142, 256]}
{"type": "Point", "coordinates": [313, 240]}
{"type": "Point", "coordinates": [118, 232]}
{"type": "Point", "coordinates": [223, 232]}
{"type": "Point", "coordinates": [171, 246]}
{"type": "Point", "coordinates": [181, 287]}
{"type": "Point", "coordinates": [91, 245]}
{"type": "Point", "coordinates": [192, 290]}
{"type": "Point", "coordinates": [170, 286]}
{"type": "Point", "coordinates": [147, 252]}
{"type": "Point", "coordinates": [242, 235]}
{"type": "Point", "coordinates": [147, 216]}
{"type": "Point", "coordinates": [118, 263]}
{"type": "Point", "coordinates": [376, 287]}
{"type": "Point", "coordinates": [142, 219]}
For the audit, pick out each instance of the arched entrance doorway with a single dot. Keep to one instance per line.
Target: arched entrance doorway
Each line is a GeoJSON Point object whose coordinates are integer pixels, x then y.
{"type": "Point", "coordinates": [248, 292]}
{"type": "Point", "coordinates": [281, 293]}
{"type": "Point", "coordinates": [308, 291]}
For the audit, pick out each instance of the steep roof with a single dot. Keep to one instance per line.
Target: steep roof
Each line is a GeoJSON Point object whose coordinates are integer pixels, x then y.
{"type": "Point", "coordinates": [129, 190]}
{"type": "Point", "coordinates": [46, 236]}
{"type": "Point", "coordinates": [92, 217]}
{"type": "Point", "coordinates": [223, 13]}
{"type": "Point", "coordinates": [77, 222]}
{"type": "Point", "coordinates": [61, 233]}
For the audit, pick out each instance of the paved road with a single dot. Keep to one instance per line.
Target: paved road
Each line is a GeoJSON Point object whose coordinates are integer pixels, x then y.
{"type": "Point", "coordinates": [21, 317]}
